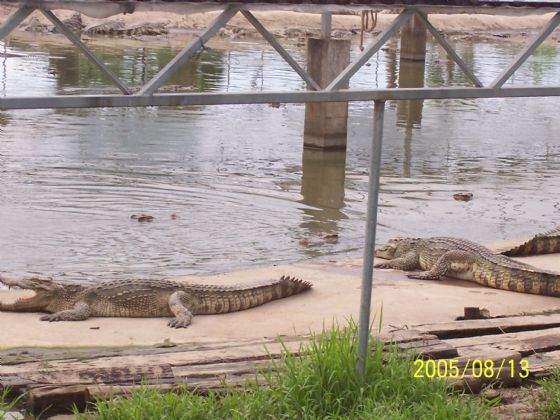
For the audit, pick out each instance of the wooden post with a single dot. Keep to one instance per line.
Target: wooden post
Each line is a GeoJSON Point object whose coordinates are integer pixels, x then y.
{"type": "Point", "coordinates": [413, 40]}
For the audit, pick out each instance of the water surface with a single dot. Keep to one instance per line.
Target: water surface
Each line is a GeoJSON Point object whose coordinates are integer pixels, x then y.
{"type": "Point", "coordinates": [230, 187]}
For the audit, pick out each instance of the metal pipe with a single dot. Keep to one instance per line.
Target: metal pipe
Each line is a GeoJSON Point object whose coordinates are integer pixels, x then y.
{"type": "Point", "coordinates": [311, 84]}
{"type": "Point", "coordinates": [167, 71]}
{"type": "Point", "coordinates": [87, 52]}
{"type": "Point", "coordinates": [526, 52]}
{"type": "Point", "coordinates": [371, 228]}
{"type": "Point", "coordinates": [205, 98]}
{"type": "Point", "coordinates": [14, 20]}
{"type": "Point", "coordinates": [343, 78]}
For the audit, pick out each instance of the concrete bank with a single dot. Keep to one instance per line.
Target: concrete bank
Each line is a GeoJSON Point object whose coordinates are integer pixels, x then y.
{"type": "Point", "coordinates": [335, 296]}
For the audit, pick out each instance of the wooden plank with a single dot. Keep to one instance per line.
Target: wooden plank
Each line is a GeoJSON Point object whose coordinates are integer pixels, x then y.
{"type": "Point", "coordinates": [500, 339]}
{"type": "Point", "coordinates": [48, 401]}
{"type": "Point", "coordinates": [474, 385]}
{"type": "Point", "coordinates": [523, 345]}
{"type": "Point", "coordinates": [478, 327]}
{"type": "Point", "coordinates": [544, 343]}
{"type": "Point", "coordinates": [206, 385]}
{"type": "Point", "coordinates": [200, 386]}
{"type": "Point", "coordinates": [476, 372]}
{"type": "Point", "coordinates": [184, 374]}
{"type": "Point", "coordinates": [217, 355]}
{"type": "Point", "coordinates": [429, 349]}
{"type": "Point", "coordinates": [404, 336]}
{"type": "Point", "coordinates": [42, 355]}
{"type": "Point", "coordinates": [123, 374]}
{"type": "Point", "coordinates": [541, 365]}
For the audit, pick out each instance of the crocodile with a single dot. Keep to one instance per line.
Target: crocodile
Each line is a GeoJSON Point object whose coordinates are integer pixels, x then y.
{"type": "Point", "coordinates": [466, 260]}
{"type": "Point", "coordinates": [120, 28]}
{"type": "Point", "coordinates": [145, 298]}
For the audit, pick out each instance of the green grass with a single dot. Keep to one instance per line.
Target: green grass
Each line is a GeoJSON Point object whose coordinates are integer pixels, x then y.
{"type": "Point", "coordinates": [320, 385]}
{"type": "Point", "coordinates": [6, 404]}
{"type": "Point", "coordinates": [548, 401]}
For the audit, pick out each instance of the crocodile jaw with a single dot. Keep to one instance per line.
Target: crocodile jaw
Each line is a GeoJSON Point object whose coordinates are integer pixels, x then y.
{"type": "Point", "coordinates": [43, 289]}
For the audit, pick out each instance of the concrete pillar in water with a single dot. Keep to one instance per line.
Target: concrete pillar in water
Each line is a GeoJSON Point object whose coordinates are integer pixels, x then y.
{"type": "Point", "coordinates": [413, 40]}
{"type": "Point", "coordinates": [326, 123]}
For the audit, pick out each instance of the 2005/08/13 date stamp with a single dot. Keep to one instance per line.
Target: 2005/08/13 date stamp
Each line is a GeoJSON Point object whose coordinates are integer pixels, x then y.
{"type": "Point", "coordinates": [477, 368]}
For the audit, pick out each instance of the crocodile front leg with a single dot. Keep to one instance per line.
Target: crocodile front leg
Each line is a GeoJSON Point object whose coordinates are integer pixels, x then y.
{"type": "Point", "coordinates": [406, 263]}
{"type": "Point", "coordinates": [179, 303]}
{"type": "Point", "coordinates": [80, 312]}
{"type": "Point", "coordinates": [455, 261]}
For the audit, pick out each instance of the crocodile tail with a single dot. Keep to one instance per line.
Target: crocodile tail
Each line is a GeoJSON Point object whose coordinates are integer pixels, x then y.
{"type": "Point", "coordinates": [528, 281]}
{"type": "Point", "coordinates": [231, 299]}
{"type": "Point", "coordinates": [288, 286]}
{"type": "Point", "coordinates": [544, 243]}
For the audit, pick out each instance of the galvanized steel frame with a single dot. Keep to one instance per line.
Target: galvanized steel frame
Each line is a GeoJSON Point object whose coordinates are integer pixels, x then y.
{"type": "Point", "coordinates": [147, 96]}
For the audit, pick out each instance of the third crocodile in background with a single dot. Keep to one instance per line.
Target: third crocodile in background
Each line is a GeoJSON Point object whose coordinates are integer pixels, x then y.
{"type": "Point", "coordinates": [467, 260]}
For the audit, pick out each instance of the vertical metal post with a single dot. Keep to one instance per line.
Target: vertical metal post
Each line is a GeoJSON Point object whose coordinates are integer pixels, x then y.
{"type": "Point", "coordinates": [371, 227]}
{"type": "Point", "coordinates": [326, 25]}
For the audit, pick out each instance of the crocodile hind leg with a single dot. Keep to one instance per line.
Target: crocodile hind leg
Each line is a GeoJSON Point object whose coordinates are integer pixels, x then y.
{"type": "Point", "coordinates": [179, 303]}
{"type": "Point", "coordinates": [80, 312]}
{"type": "Point", "coordinates": [406, 263]}
{"type": "Point", "coordinates": [452, 262]}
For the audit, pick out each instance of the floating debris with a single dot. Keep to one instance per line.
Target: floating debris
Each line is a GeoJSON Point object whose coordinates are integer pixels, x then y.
{"type": "Point", "coordinates": [330, 239]}
{"type": "Point", "coordinates": [463, 196]}
{"type": "Point", "coordinates": [142, 217]}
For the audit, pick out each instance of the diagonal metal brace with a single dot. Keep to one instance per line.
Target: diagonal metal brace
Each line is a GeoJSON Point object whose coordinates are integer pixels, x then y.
{"type": "Point", "coordinates": [526, 52]}
{"type": "Point", "coordinates": [87, 52]}
{"type": "Point", "coordinates": [448, 49]}
{"type": "Point", "coordinates": [343, 78]}
{"type": "Point", "coordinates": [280, 49]}
{"type": "Point", "coordinates": [14, 20]}
{"type": "Point", "coordinates": [167, 71]}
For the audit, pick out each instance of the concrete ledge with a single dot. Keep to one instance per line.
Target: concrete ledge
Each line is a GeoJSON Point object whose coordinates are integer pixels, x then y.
{"type": "Point", "coordinates": [335, 296]}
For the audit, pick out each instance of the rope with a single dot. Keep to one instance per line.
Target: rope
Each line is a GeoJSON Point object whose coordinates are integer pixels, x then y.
{"type": "Point", "coordinates": [366, 25]}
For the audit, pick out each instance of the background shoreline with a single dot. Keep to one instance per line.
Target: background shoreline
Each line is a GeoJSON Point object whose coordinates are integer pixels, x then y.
{"type": "Point", "coordinates": [287, 24]}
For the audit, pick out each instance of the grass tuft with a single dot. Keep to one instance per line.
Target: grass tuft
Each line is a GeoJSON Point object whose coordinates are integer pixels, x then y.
{"type": "Point", "coordinates": [6, 403]}
{"type": "Point", "coordinates": [548, 401]}
{"type": "Point", "coordinates": [322, 384]}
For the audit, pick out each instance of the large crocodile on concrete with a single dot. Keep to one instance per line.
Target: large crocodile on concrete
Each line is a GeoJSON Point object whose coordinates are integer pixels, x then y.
{"type": "Point", "coordinates": [145, 298]}
{"type": "Point", "coordinates": [466, 260]}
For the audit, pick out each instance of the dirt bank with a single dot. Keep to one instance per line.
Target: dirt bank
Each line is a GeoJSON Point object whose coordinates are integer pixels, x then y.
{"type": "Point", "coordinates": [292, 24]}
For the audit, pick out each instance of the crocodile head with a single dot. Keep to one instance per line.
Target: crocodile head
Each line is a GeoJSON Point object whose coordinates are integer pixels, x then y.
{"type": "Point", "coordinates": [46, 292]}
{"type": "Point", "coordinates": [396, 248]}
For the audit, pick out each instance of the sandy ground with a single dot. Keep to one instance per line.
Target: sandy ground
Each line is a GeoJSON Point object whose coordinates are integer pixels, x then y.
{"type": "Point", "coordinates": [335, 296]}
{"type": "Point", "coordinates": [294, 24]}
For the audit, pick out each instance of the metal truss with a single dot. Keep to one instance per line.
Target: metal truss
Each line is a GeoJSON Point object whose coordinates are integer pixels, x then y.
{"type": "Point", "coordinates": [334, 92]}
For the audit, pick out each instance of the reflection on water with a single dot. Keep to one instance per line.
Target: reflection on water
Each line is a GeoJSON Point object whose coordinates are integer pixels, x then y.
{"type": "Point", "coordinates": [234, 176]}
{"type": "Point", "coordinates": [409, 113]}
{"type": "Point", "coordinates": [322, 190]}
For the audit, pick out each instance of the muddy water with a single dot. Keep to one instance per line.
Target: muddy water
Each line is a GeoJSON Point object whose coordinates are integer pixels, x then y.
{"type": "Point", "coordinates": [229, 186]}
